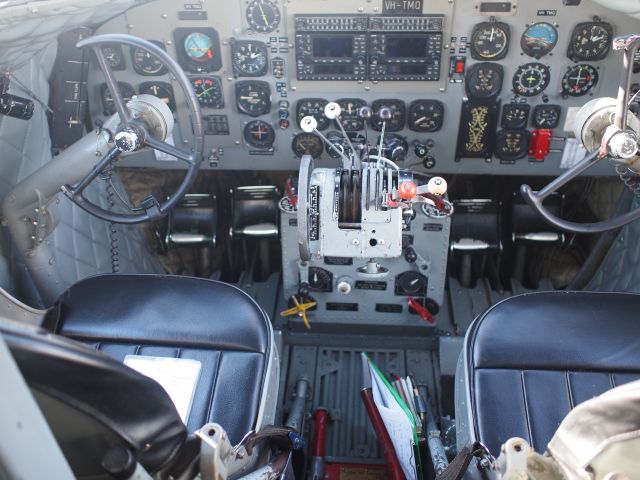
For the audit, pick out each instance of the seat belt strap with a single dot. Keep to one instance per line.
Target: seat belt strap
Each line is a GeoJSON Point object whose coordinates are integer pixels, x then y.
{"type": "Point", "coordinates": [460, 464]}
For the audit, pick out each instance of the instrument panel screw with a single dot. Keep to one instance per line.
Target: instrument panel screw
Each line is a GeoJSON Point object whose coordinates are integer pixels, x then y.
{"type": "Point", "coordinates": [356, 242]}
{"type": "Point", "coordinates": [164, 15]}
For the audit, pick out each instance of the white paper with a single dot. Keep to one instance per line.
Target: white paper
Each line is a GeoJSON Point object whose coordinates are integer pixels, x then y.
{"type": "Point", "coordinates": [178, 377]}
{"type": "Point", "coordinates": [397, 424]}
{"type": "Point", "coordinates": [165, 157]}
{"type": "Point", "coordinates": [572, 153]}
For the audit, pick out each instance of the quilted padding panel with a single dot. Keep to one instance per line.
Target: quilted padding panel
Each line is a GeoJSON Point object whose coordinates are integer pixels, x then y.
{"type": "Point", "coordinates": [80, 244]}
{"type": "Point", "coordinates": [620, 269]}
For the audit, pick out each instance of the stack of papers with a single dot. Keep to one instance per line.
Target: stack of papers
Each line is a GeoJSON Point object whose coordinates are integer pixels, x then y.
{"type": "Point", "coordinates": [398, 418]}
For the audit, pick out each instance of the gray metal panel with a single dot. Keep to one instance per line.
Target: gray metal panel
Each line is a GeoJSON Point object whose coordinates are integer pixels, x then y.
{"type": "Point", "coordinates": [336, 376]}
{"type": "Point", "coordinates": [432, 245]}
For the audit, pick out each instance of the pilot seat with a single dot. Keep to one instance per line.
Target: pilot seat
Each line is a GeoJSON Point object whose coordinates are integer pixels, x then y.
{"type": "Point", "coordinates": [530, 359]}
{"type": "Point", "coordinates": [94, 402]}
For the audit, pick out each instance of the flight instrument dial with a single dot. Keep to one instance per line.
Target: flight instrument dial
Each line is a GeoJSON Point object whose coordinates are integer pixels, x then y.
{"type": "Point", "coordinates": [590, 41]}
{"type": "Point", "coordinates": [531, 79]}
{"type": "Point", "coordinates": [259, 134]}
{"type": "Point", "coordinates": [263, 16]}
{"type": "Point", "coordinates": [490, 41]}
{"type": "Point", "coordinates": [253, 97]}
{"type": "Point", "coordinates": [208, 90]}
{"type": "Point", "coordinates": [249, 58]}
{"type": "Point", "coordinates": [539, 39]}
{"type": "Point", "coordinates": [426, 115]}
{"type": "Point", "coordinates": [579, 80]}
{"type": "Point", "coordinates": [546, 116]}
{"type": "Point", "coordinates": [484, 80]}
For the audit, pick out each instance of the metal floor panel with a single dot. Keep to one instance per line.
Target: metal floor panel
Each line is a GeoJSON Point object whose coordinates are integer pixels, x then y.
{"type": "Point", "coordinates": [336, 376]}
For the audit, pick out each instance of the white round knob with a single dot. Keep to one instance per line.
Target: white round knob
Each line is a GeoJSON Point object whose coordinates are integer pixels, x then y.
{"type": "Point", "coordinates": [332, 110]}
{"type": "Point", "coordinates": [437, 186]}
{"type": "Point", "coordinates": [308, 124]}
{"type": "Point", "coordinates": [344, 287]}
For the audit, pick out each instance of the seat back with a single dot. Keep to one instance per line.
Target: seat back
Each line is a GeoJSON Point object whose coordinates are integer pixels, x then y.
{"type": "Point", "coordinates": [530, 359]}
{"type": "Point", "coordinates": [93, 403]}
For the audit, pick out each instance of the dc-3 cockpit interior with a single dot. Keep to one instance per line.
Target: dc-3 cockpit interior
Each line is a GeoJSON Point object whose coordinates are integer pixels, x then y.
{"type": "Point", "coordinates": [320, 239]}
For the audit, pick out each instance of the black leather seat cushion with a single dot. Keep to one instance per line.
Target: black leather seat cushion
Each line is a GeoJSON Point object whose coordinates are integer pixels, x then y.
{"type": "Point", "coordinates": [532, 358]}
{"type": "Point", "coordinates": [169, 316]}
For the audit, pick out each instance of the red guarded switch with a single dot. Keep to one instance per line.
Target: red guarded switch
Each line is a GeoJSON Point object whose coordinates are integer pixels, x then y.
{"type": "Point", "coordinates": [540, 143]}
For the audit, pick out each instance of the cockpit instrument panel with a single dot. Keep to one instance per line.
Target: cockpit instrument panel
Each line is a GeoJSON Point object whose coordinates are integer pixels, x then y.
{"type": "Point", "coordinates": [466, 89]}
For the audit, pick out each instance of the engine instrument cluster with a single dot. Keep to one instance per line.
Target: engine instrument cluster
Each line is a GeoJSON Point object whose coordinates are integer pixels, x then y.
{"type": "Point", "coordinates": [467, 87]}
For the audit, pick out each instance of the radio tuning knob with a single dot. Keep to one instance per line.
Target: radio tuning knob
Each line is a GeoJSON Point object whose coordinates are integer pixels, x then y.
{"type": "Point", "coordinates": [385, 114]}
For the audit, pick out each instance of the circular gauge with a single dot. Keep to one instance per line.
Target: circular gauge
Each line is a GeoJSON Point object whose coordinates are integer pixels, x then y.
{"type": "Point", "coordinates": [511, 144]}
{"type": "Point", "coordinates": [490, 41]}
{"type": "Point", "coordinates": [350, 118]}
{"type": "Point", "coordinates": [531, 79]}
{"type": "Point", "coordinates": [126, 91]}
{"type": "Point", "coordinates": [263, 16]}
{"type": "Point", "coordinates": [162, 90]}
{"type": "Point", "coordinates": [249, 58]}
{"type": "Point", "coordinates": [546, 116]}
{"type": "Point", "coordinates": [515, 115]}
{"type": "Point", "coordinates": [337, 140]}
{"type": "Point", "coordinates": [426, 115]}
{"type": "Point", "coordinates": [484, 80]}
{"type": "Point", "coordinates": [411, 283]}
{"type": "Point", "coordinates": [259, 134]}
{"type": "Point", "coordinates": [199, 47]}
{"type": "Point", "coordinates": [113, 56]}
{"type": "Point", "coordinates": [307, 144]}
{"type": "Point", "coordinates": [590, 41]}
{"type": "Point", "coordinates": [146, 63]}
{"type": "Point", "coordinates": [398, 115]}
{"type": "Point", "coordinates": [253, 98]}
{"type": "Point", "coordinates": [579, 80]}
{"type": "Point", "coordinates": [320, 280]}
{"type": "Point", "coordinates": [539, 39]}
{"type": "Point", "coordinates": [209, 91]}
{"type": "Point", "coordinates": [313, 107]}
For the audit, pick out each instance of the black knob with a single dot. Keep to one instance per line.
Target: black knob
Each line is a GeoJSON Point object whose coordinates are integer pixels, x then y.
{"type": "Point", "coordinates": [303, 290]}
{"type": "Point", "coordinates": [410, 255]}
{"type": "Point", "coordinates": [429, 162]}
{"type": "Point", "coordinates": [421, 150]}
{"type": "Point", "coordinates": [119, 462]}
